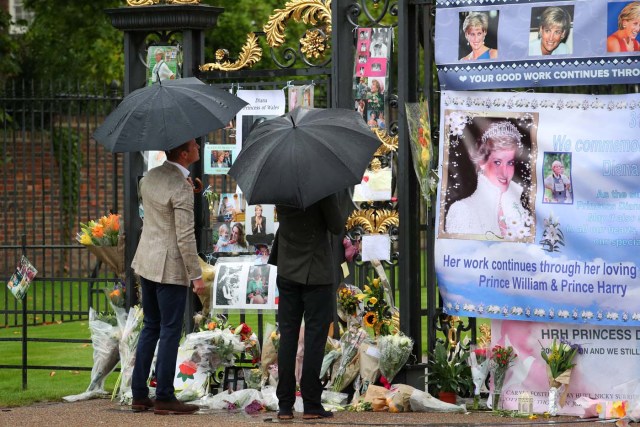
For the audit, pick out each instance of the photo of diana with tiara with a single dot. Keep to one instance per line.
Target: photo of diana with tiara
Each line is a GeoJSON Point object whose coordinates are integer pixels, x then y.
{"type": "Point", "coordinates": [488, 180]}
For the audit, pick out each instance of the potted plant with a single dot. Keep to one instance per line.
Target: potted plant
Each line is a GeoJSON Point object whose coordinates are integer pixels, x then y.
{"type": "Point", "coordinates": [449, 373]}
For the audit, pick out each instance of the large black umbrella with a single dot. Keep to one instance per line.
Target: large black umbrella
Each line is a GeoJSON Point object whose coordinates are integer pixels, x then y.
{"type": "Point", "coordinates": [166, 115]}
{"type": "Point", "coordinates": [304, 156]}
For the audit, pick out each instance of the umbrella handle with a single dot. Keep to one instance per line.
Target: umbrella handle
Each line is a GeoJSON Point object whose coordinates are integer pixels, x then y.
{"type": "Point", "coordinates": [197, 186]}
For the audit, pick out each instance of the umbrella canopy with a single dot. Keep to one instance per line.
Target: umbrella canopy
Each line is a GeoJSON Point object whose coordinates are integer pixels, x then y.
{"type": "Point", "coordinates": [166, 115]}
{"type": "Point", "coordinates": [304, 156]}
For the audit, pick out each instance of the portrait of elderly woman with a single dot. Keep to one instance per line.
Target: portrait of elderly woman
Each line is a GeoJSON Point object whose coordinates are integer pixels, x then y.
{"type": "Point", "coordinates": [625, 38]}
{"type": "Point", "coordinates": [478, 30]}
{"type": "Point", "coordinates": [488, 188]}
{"type": "Point", "coordinates": [550, 29]}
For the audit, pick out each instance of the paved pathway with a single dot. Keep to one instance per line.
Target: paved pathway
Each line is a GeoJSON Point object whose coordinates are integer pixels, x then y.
{"type": "Point", "coordinates": [103, 412]}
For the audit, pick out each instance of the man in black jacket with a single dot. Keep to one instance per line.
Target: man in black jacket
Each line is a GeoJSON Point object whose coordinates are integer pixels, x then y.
{"type": "Point", "coordinates": [303, 253]}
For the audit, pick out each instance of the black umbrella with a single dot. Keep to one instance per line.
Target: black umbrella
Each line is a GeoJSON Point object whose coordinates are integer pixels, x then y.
{"type": "Point", "coordinates": [166, 115]}
{"type": "Point", "coordinates": [304, 156]}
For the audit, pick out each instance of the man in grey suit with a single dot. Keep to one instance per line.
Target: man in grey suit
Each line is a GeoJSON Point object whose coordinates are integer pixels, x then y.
{"type": "Point", "coordinates": [304, 255]}
{"type": "Point", "coordinates": [166, 261]}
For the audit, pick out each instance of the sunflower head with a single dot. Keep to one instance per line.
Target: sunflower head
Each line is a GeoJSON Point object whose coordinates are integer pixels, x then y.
{"type": "Point", "coordinates": [370, 319]}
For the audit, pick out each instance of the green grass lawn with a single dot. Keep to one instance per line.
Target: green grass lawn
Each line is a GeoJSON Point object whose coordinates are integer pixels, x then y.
{"type": "Point", "coordinates": [47, 384]}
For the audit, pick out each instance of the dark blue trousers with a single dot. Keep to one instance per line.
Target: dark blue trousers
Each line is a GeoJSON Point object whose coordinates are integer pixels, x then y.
{"type": "Point", "coordinates": [163, 308]}
{"type": "Point", "coordinates": [314, 303]}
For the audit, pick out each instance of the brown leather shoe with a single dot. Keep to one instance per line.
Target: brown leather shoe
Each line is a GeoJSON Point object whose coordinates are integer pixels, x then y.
{"type": "Point", "coordinates": [173, 407]}
{"type": "Point", "coordinates": [141, 405]}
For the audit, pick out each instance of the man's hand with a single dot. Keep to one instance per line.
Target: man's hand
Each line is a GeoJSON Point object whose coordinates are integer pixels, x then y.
{"type": "Point", "coordinates": [198, 286]}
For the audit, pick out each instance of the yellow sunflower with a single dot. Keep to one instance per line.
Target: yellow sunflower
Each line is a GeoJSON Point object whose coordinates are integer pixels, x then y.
{"type": "Point", "coordinates": [370, 319]}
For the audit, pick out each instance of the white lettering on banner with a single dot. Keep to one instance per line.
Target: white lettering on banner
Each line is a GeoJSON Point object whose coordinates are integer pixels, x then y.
{"type": "Point", "coordinates": [549, 75]}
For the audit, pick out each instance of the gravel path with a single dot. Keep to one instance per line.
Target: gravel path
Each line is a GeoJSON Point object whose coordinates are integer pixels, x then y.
{"type": "Point", "coordinates": [105, 412]}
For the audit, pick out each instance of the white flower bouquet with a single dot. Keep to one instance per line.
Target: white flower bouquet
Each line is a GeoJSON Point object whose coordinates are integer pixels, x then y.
{"type": "Point", "coordinates": [349, 345]}
{"type": "Point", "coordinates": [394, 353]}
{"type": "Point", "coordinates": [128, 345]}
{"type": "Point", "coordinates": [479, 363]}
{"type": "Point", "coordinates": [105, 338]}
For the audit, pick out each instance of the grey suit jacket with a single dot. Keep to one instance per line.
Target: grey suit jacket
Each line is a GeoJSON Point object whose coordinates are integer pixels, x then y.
{"type": "Point", "coordinates": [167, 251]}
{"type": "Point", "coordinates": [302, 248]}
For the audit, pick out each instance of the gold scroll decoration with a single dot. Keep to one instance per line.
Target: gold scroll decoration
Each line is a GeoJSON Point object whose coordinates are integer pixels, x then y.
{"type": "Point", "coordinates": [308, 11]}
{"type": "Point", "coordinates": [374, 221]}
{"type": "Point", "coordinates": [250, 54]}
{"type": "Point", "coordinates": [389, 143]}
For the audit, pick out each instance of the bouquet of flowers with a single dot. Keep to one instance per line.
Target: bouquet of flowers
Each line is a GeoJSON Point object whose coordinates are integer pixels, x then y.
{"type": "Point", "coordinates": [559, 359]}
{"type": "Point", "coordinates": [348, 303]}
{"type": "Point", "coordinates": [250, 340]}
{"type": "Point", "coordinates": [378, 313]}
{"type": "Point", "coordinates": [105, 338]}
{"type": "Point", "coordinates": [103, 238]}
{"type": "Point", "coordinates": [204, 323]}
{"type": "Point", "coordinates": [479, 363]}
{"type": "Point", "coordinates": [270, 346]}
{"type": "Point", "coordinates": [349, 345]}
{"type": "Point", "coordinates": [421, 147]}
{"type": "Point", "coordinates": [128, 345]}
{"type": "Point", "coordinates": [101, 232]}
{"type": "Point", "coordinates": [502, 358]}
{"type": "Point", "coordinates": [394, 353]}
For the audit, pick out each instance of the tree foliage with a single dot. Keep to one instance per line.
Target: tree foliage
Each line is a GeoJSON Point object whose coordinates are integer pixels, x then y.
{"type": "Point", "coordinates": [78, 42]}
{"type": "Point", "coordinates": [75, 41]}
{"type": "Point", "coordinates": [9, 47]}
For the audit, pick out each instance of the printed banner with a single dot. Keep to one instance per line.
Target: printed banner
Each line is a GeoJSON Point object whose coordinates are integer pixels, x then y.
{"type": "Point", "coordinates": [538, 211]}
{"type": "Point", "coordinates": [483, 45]}
{"type": "Point", "coordinates": [589, 378]}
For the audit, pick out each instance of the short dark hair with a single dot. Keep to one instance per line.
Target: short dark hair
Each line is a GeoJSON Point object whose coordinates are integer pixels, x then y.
{"type": "Point", "coordinates": [174, 153]}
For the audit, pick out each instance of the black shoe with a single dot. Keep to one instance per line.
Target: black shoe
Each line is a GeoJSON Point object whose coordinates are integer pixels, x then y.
{"type": "Point", "coordinates": [317, 414]}
{"type": "Point", "coordinates": [141, 405]}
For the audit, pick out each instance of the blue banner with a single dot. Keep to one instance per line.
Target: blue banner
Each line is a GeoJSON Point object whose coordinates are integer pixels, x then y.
{"type": "Point", "coordinates": [485, 45]}
{"type": "Point", "coordinates": [538, 209]}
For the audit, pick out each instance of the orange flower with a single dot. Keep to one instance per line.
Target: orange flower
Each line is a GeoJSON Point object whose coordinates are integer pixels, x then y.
{"type": "Point", "coordinates": [211, 326]}
{"type": "Point", "coordinates": [97, 231]}
{"type": "Point", "coordinates": [115, 293]}
{"type": "Point", "coordinates": [114, 220]}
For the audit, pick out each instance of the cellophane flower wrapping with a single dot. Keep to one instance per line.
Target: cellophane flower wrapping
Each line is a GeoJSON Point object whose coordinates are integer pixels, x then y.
{"type": "Point", "coordinates": [270, 345]}
{"type": "Point", "coordinates": [349, 345]}
{"type": "Point", "coordinates": [233, 401]}
{"type": "Point", "coordinates": [559, 358]}
{"type": "Point", "coordinates": [421, 147]}
{"type": "Point", "coordinates": [394, 353]}
{"type": "Point", "coordinates": [332, 353]}
{"type": "Point", "coordinates": [128, 346]}
{"type": "Point", "coordinates": [369, 363]}
{"type": "Point", "coordinates": [479, 363]}
{"type": "Point", "coordinates": [105, 338]}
